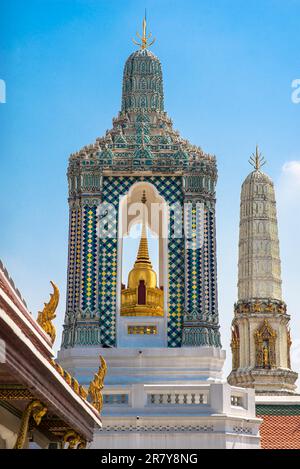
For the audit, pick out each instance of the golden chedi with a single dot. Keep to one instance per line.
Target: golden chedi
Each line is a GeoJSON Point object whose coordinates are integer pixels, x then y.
{"type": "Point", "coordinates": [142, 297]}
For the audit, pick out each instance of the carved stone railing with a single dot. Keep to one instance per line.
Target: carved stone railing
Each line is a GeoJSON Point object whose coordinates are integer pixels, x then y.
{"type": "Point", "coordinates": [213, 397]}
{"type": "Point", "coordinates": [178, 398]}
{"type": "Point", "coordinates": [115, 399]}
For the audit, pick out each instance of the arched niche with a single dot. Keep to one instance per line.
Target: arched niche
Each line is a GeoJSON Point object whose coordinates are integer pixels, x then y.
{"type": "Point", "coordinates": [143, 331]}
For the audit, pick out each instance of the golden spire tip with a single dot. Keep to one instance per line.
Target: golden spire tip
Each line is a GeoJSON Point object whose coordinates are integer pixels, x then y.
{"type": "Point", "coordinates": [144, 44]}
{"type": "Point", "coordinates": [257, 160]}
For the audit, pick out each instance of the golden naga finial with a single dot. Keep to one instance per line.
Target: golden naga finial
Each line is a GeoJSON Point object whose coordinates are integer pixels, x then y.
{"type": "Point", "coordinates": [97, 385]}
{"type": "Point", "coordinates": [35, 409]}
{"type": "Point", "coordinates": [257, 160]}
{"type": "Point", "coordinates": [73, 440]}
{"type": "Point", "coordinates": [46, 316]}
{"type": "Point", "coordinates": [144, 44]}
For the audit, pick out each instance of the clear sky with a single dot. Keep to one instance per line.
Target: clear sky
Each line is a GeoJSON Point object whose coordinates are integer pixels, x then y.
{"type": "Point", "coordinates": [228, 67]}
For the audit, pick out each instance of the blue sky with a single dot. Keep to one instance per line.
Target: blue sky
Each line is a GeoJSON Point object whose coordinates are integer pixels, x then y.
{"type": "Point", "coordinates": [228, 68]}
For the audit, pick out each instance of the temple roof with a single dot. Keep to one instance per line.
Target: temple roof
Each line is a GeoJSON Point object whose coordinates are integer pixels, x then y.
{"type": "Point", "coordinates": [30, 371]}
{"type": "Point", "coordinates": [280, 428]}
{"type": "Point", "coordinates": [142, 135]}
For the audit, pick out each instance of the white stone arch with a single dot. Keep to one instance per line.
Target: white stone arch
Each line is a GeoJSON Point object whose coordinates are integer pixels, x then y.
{"type": "Point", "coordinates": [156, 206]}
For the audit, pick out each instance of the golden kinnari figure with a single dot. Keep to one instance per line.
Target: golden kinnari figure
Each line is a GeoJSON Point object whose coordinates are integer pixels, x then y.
{"type": "Point", "coordinates": [142, 297]}
{"type": "Point", "coordinates": [46, 316]}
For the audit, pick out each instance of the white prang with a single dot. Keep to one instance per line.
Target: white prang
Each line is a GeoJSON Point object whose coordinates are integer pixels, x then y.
{"type": "Point", "coordinates": [259, 296]}
{"type": "Point", "coordinates": [259, 274]}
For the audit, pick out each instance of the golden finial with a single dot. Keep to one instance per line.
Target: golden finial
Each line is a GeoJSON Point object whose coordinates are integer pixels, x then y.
{"type": "Point", "coordinates": [144, 44]}
{"type": "Point", "coordinates": [46, 316]}
{"type": "Point", "coordinates": [257, 160]}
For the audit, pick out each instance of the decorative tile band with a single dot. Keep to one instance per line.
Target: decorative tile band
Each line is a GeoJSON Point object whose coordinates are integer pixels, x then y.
{"type": "Point", "coordinates": [158, 428]}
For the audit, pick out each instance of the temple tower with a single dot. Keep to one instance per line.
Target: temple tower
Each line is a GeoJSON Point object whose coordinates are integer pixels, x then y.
{"type": "Point", "coordinates": [142, 152]}
{"type": "Point", "coordinates": [158, 331]}
{"type": "Point", "coordinates": [261, 337]}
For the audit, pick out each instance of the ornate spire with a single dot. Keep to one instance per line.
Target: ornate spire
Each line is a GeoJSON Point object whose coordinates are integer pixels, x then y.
{"type": "Point", "coordinates": [142, 297]}
{"type": "Point", "coordinates": [259, 274]}
{"type": "Point", "coordinates": [143, 252]}
{"type": "Point", "coordinates": [257, 160]}
{"type": "Point", "coordinates": [260, 338]}
{"type": "Point", "coordinates": [144, 38]}
{"type": "Point", "coordinates": [142, 78]}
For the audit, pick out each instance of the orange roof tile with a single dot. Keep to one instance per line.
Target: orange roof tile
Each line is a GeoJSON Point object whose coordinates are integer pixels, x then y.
{"type": "Point", "coordinates": [280, 431]}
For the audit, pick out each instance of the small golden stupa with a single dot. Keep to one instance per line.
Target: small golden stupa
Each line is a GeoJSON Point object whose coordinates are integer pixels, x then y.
{"type": "Point", "coordinates": [142, 297]}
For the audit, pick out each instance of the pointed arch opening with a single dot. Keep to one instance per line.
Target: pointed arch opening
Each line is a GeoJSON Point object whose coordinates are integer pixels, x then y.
{"type": "Point", "coordinates": [142, 279]}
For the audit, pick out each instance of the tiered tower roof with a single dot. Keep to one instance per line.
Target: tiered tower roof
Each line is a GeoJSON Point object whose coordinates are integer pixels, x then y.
{"type": "Point", "coordinates": [142, 135]}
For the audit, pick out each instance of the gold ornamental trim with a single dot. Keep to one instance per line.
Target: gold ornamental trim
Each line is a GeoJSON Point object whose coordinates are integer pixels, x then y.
{"type": "Point", "coordinates": [15, 394]}
{"type": "Point", "coordinates": [72, 382]}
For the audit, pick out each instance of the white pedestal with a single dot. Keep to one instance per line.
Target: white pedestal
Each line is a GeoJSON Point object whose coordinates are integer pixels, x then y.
{"type": "Point", "coordinates": [146, 365]}
{"type": "Point", "coordinates": [167, 398]}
